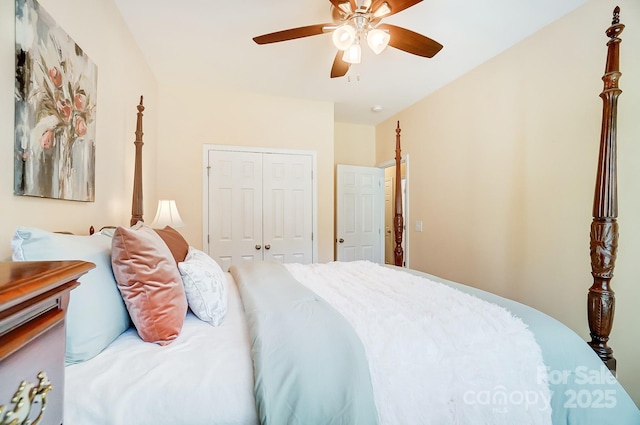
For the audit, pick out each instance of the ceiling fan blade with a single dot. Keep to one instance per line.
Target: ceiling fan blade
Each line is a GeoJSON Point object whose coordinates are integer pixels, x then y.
{"type": "Point", "coordinates": [395, 5]}
{"type": "Point", "coordinates": [291, 34]}
{"type": "Point", "coordinates": [411, 42]}
{"type": "Point", "coordinates": [337, 14]}
{"type": "Point", "coordinates": [337, 3]}
{"type": "Point", "coordinates": [340, 67]}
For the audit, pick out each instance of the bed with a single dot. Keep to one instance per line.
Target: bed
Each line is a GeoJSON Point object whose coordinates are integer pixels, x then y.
{"type": "Point", "coordinates": [157, 333]}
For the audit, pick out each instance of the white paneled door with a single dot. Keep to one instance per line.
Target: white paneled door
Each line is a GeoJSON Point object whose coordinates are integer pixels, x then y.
{"type": "Point", "coordinates": [260, 206]}
{"type": "Point", "coordinates": [235, 207]}
{"type": "Point", "coordinates": [286, 213]}
{"type": "Point", "coordinates": [360, 212]}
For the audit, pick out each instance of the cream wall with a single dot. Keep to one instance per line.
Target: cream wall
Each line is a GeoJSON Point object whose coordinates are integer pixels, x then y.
{"type": "Point", "coordinates": [503, 172]}
{"type": "Point", "coordinates": [355, 144]}
{"type": "Point", "coordinates": [193, 116]}
{"type": "Point", "coordinates": [123, 75]}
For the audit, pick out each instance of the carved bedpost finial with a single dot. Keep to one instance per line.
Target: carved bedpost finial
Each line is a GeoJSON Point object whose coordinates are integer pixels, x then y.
{"type": "Point", "coordinates": [604, 227]}
{"type": "Point", "coordinates": [614, 30]}
{"type": "Point", "coordinates": [139, 122]}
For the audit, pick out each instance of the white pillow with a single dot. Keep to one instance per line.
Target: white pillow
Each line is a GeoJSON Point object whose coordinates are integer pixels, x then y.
{"type": "Point", "coordinates": [96, 314]}
{"type": "Point", "coordinates": [205, 286]}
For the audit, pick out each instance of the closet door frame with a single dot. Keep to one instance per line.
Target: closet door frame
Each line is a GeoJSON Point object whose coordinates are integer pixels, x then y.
{"type": "Point", "coordinates": [263, 150]}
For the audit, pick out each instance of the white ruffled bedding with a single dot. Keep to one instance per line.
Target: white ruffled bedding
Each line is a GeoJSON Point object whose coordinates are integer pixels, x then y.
{"type": "Point", "coordinates": [436, 355]}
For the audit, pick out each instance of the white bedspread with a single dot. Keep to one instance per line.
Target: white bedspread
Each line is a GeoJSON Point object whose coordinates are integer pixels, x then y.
{"type": "Point", "coordinates": [436, 355]}
{"type": "Point", "coordinates": [204, 377]}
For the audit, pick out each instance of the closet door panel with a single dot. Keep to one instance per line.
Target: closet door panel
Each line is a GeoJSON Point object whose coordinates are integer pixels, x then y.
{"type": "Point", "coordinates": [235, 207]}
{"type": "Point", "coordinates": [288, 208]}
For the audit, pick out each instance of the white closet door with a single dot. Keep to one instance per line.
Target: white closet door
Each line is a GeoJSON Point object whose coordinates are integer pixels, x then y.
{"type": "Point", "coordinates": [235, 207]}
{"type": "Point", "coordinates": [287, 208]}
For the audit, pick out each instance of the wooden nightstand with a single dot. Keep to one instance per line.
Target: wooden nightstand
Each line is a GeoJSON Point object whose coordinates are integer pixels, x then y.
{"type": "Point", "coordinates": [33, 300]}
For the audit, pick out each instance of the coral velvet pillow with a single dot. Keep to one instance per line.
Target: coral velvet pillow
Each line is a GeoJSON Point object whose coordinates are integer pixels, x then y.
{"type": "Point", "coordinates": [149, 282]}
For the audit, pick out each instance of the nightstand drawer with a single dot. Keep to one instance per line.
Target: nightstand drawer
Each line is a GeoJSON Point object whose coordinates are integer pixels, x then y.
{"type": "Point", "coordinates": [44, 354]}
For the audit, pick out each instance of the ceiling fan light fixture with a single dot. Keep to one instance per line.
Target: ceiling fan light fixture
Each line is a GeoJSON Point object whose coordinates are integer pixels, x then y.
{"type": "Point", "coordinates": [352, 54]}
{"type": "Point", "coordinates": [378, 40]}
{"type": "Point", "coordinates": [345, 7]}
{"type": "Point", "coordinates": [353, 21]}
{"type": "Point", "coordinates": [344, 36]}
{"type": "Point", "coordinates": [383, 10]}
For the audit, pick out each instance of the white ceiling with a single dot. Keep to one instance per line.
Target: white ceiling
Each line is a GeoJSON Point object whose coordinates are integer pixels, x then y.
{"type": "Point", "coordinates": [209, 42]}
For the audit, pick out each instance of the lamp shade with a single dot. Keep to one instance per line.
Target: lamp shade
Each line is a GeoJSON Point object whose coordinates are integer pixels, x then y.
{"type": "Point", "coordinates": [352, 54]}
{"type": "Point", "coordinates": [378, 40]}
{"type": "Point", "coordinates": [343, 36]}
{"type": "Point", "coordinates": [167, 215]}
{"type": "Point", "coordinates": [382, 10]}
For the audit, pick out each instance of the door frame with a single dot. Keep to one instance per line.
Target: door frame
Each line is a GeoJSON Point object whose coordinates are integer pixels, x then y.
{"type": "Point", "coordinates": [390, 217]}
{"type": "Point", "coordinates": [205, 186]}
{"type": "Point", "coordinates": [405, 211]}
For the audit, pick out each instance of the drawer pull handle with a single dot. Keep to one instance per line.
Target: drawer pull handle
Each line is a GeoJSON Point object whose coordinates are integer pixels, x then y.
{"type": "Point", "coordinates": [26, 395]}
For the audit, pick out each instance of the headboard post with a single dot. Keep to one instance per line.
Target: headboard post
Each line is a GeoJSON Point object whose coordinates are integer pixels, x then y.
{"type": "Point", "coordinates": [136, 202]}
{"type": "Point", "coordinates": [398, 220]}
{"type": "Point", "coordinates": [604, 227]}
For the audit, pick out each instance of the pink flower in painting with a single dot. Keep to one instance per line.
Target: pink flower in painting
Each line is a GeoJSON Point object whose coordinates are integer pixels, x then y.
{"type": "Point", "coordinates": [46, 140]}
{"type": "Point", "coordinates": [79, 101]}
{"type": "Point", "coordinates": [56, 76]}
{"type": "Point", "coordinates": [65, 109]}
{"type": "Point", "coordinates": [81, 127]}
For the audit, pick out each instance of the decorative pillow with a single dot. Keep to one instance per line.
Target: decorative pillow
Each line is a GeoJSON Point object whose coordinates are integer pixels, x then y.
{"type": "Point", "coordinates": [96, 314]}
{"type": "Point", "coordinates": [176, 243]}
{"type": "Point", "coordinates": [205, 285]}
{"type": "Point", "coordinates": [149, 282]}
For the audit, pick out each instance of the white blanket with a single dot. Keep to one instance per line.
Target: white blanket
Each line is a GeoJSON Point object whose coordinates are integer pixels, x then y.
{"type": "Point", "coordinates": [436, 355]}
{"type": "Point", "coordinates": [203, 377]}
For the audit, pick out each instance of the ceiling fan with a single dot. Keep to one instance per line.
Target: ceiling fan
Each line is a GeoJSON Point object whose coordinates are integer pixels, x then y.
{"type": "Point", "coordinates": [353, 24]}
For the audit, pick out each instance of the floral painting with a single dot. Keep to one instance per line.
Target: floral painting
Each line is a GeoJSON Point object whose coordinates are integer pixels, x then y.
{"type": "Point", "coordinates": [55, 109]}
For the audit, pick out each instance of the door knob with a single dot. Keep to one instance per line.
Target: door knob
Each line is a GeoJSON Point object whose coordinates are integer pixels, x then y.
{"type": "Point", "coordinates": [258, 247]}
{"type": "Point", "coordinates": [341, 240]}
{"type": "Point", "coordinates": [267, 247]}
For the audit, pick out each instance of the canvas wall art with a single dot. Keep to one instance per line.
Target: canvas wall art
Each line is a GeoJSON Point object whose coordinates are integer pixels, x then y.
{"type": "Point", "coordinates": [55, 110]}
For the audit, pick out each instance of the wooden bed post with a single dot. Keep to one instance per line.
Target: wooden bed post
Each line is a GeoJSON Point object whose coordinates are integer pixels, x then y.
{"type": "Point", "coordinates": [604, 228]}
{"type": "Point", "coordinates": [398, 221]}
{"type": "Point", "coordinates": [136, 202]}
